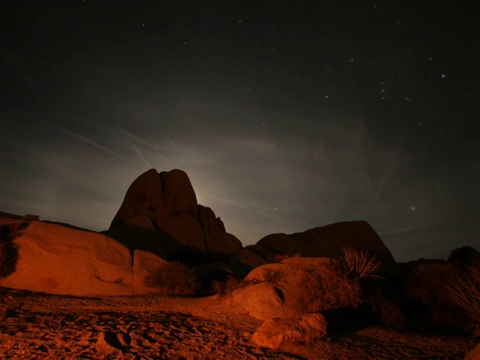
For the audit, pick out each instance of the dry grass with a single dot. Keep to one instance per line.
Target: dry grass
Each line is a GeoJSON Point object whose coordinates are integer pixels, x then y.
{"type": "Point", "coordinates": [174, 279]}
{"type": "Point", "coordinates": [465, 292]}
{"type": "Point", "coordinates": [315, 287]}
{"type": "Point", "coordinates": [427, 282]}
{"type": "Point", "coordinates": [360, 264]}
{"type": "Point", "coordinates": [426, 285]}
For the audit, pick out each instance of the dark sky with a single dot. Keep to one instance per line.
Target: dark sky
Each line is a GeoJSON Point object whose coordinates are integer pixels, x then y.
{"type": "Point", "coordinates": [286, 115]}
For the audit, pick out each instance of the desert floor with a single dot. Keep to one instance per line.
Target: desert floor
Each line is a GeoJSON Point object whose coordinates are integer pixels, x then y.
{"type": "Point", "coordinates": [35, 325]}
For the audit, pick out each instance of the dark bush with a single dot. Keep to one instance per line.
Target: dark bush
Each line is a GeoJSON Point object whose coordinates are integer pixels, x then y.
{"type": "Point", "coordinates": [426, 285]}
{"type": "Point", "coordinates": [317, 286]}
{"type": "Point", "coordinates": [8, 248]}
{"type": "Point", "coordinates": [464, 291]}
{"type": "Point", "coordinates": [174, 278]}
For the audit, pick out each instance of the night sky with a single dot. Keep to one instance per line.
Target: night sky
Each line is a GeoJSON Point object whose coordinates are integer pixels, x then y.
{"type": "Point", "coordinates": [286, 115]}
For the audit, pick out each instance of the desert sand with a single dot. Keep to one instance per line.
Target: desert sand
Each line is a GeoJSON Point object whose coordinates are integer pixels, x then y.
{"type": "Point", "coordinates": [38, 325]}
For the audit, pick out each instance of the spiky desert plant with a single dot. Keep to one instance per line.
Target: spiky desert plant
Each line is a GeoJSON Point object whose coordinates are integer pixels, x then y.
{"type": "Point", "coordinates": [465, 292]}
{"type": "Point", "coordinates": [360, 264]}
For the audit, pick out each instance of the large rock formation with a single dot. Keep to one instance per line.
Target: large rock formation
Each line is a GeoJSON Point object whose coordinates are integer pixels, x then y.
{"type": "Point", "coordinates": [60, 260]}
{"type": "Point", "coordinates": [326, 241]}
{"type": "Point", "coordinates": [160, 214]}
{"type": "Point", "coordinates": [464, 257]}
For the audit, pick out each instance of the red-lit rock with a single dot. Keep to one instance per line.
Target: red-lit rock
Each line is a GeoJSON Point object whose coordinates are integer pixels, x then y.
{"type": "Point", "coordinates": [187, 231]}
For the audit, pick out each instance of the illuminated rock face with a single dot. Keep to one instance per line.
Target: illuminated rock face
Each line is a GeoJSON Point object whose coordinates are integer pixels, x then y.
{"type": "Point", "coordinates": [181, 229]}
{"type": "Point", "coordinates": [59, 260]}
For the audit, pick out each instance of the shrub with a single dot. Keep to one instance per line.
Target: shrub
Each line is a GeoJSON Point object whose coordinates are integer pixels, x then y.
{"type": "Point", "coordinates": [359, 264]}
{"type": "Point", "coordinates": [174, 278]}
{"type": "Point", "coordinates": [216, 281]}
{"type": "Point", "coordinates": [426, 285]}
{"type": "Point", "coordinates": [465, 292]}
{"type": "Point", "coordinates": [8, 249]}
{"type": "Point", "coordinates": [319, 286]}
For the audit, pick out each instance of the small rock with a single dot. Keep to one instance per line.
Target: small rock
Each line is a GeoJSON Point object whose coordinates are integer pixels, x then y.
{"type": "Point", "coordinates": [279, 331]}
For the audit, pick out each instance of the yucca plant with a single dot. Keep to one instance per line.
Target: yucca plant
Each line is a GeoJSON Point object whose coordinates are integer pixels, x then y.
{"type": "Point", "coordinates": [465, 292]}
{"type": "Point", "coordinates": [360, 264]}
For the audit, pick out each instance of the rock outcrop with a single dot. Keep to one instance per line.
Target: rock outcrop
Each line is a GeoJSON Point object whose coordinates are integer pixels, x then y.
{"type": "Point", "coordinates": [464, 257]}
{"type": "Point", "coordinates": [325, 241]}
{"type": "Point", "coordinates": [160, 214]}
{"type": "Point", "coordinates": [262, 301]}
{"type": "Point", "coordinates": [59, 260]}
{"type": "Point", "coordinates": [307, 284]}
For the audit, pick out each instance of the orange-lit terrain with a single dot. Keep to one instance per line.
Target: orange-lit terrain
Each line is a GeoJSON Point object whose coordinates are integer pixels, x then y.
{"type": "Point", "coordinates": [239, 180]}
{"type": "Point", "coordinates": [167, 281]}
{"type": "Point", "coordinates": [46, 326]}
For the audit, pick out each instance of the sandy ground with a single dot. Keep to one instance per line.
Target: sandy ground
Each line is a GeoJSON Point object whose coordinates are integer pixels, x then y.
{"type": "Point", "coordinates": [44, 326]}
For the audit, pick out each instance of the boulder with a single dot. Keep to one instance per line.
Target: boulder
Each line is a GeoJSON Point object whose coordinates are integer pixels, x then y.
{"type": "Point", "coordinates": [308, 284]}
{"type": "Point", "coordinates": [267, 272]}
{"type": "Point", "coordinates": [218, 242]}
{"type": "Point", "coordinates": [282, 273]}
{"type": "Point", "coordinates": [262, 301]}
{"type": "Point", "coordinates": [143, 197]}
{"type": "Point", "coordinates": [187, 231]}
{"type": "Point", "coordinates": [195, 234]}
{"type": "Point", "coordinates": [60, 260]}
{"type": "Point", "coordinates": [140, 232]}
{"type": "Point", "coordinates": [158, 196]}
{"type": "Point", "coordinates": [281, 244]}
{"type": "Point", "coordinates": [178, 195]}
{"type": "Point", "coordinates": [274, 333]}
{"type": "Point", "coordinates": [464, 257]}
{"type": "Point", "coordinates": [264, 253]}
{"type": "Point", "coordinates": [328, 241]}
{"type": "Point", "coordinates": [249, 259]}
